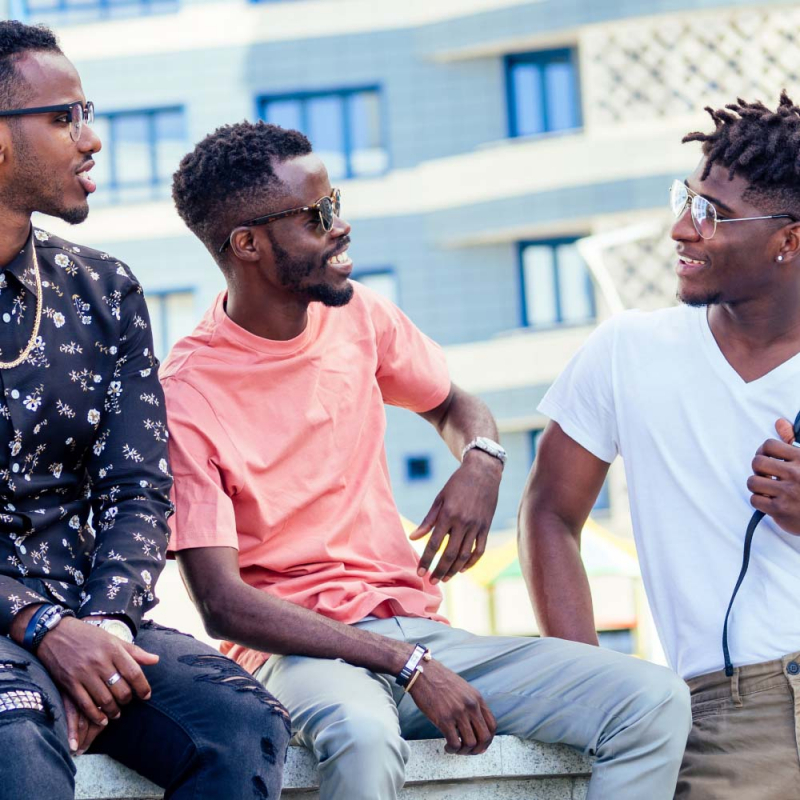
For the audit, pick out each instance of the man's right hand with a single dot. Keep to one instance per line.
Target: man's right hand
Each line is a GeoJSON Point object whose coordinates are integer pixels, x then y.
{"type": "Point", "coordinates": [457, 709]}
{"type": "Point", "coordinates": [80, 658]}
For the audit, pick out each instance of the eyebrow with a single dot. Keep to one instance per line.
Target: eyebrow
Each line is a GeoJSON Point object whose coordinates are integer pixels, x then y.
{"type": "Point", "coordinates": [711, 199]}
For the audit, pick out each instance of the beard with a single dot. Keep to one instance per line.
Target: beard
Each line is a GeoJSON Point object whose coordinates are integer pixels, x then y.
{"type": "Point", "coordinates": [293, 271]}
{"type": "Point", "coordinates": [700, 301]}
{"type": "Point", "coordinates": [35, 189]}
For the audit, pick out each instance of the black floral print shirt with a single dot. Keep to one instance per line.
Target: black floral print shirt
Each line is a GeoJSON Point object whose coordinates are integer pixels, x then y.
{"type": "Point", "coordinates": [84, 478]}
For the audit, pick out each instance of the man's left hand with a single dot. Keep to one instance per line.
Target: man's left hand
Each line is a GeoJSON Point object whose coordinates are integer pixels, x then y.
{"type": "Point", "coordinates": [463, 512]}
{"type": "Point", "coordinates": [775, 483]}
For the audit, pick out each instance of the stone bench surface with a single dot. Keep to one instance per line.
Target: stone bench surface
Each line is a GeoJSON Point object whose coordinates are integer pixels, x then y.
{"type": "Point", "coordinates": [510, 768]}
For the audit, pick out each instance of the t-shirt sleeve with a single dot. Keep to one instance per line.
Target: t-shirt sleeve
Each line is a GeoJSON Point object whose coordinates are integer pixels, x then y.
{"type": "Point", "coordinates": [204, 515]}
{"type": "Point", "coordinates": [581, 400]}
{"type": "Point", "coordinates": [412, 370]}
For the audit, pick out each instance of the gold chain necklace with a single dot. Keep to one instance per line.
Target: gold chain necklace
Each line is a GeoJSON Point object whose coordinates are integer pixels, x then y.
{"type": "Point", "coordinates": [37, 320]}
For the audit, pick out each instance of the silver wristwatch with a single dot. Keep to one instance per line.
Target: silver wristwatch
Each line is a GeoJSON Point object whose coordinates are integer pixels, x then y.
{"type": "Point", "coordinates": [488, 446]}
{"type": "Point", "coordinates": [116, 627]}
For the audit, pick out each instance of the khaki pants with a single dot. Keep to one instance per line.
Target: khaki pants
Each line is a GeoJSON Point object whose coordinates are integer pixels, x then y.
{"type": "Point", "coordinates": [631, 715]}
{"type": "Point", "coordinates": [745, 739]}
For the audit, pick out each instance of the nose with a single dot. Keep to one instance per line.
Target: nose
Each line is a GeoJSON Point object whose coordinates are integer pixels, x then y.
{"type": "Point", "coordinates": [89, 141]}
{"type": "Point", "coordinates": [341, 227]}
{"type": "Point", "coordinates": [683, 228]}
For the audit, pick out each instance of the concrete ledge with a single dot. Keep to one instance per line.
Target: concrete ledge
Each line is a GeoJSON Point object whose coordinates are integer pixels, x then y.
{"type": "Point", "coordinates": [510, 769]}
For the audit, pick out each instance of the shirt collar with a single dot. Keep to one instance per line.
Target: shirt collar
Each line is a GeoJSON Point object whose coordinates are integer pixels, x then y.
{"type": "Point", "coordinates": [21, 267]}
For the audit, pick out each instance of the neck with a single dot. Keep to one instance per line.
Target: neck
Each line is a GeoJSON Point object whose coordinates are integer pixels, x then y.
{"type": "Point", "coordinates": [760, 323]}
{"type": "Point", "coordinates": [14, 232]}
{"type": "Point", "coordinates": [279, 318]}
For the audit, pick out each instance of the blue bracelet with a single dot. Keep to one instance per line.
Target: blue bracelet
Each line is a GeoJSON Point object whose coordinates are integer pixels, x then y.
{"type": "Point", "coordinates": [30, 630]}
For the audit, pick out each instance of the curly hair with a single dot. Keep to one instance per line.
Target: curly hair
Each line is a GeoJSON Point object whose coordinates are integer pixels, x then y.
{"type": "Point", "coordinates": [760, 145]}
{"type": "Point", "coordinates": [230, 176]}
{"type": "Point", "coordinates": [16, 39]}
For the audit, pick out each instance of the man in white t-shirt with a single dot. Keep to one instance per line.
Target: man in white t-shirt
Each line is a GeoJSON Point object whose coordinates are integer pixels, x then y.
{"type": "Point", "coordinates": [692, 398]}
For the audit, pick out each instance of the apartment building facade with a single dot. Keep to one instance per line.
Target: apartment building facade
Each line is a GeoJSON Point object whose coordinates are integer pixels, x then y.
{"type": "Point", "coordinates": [476, 143]}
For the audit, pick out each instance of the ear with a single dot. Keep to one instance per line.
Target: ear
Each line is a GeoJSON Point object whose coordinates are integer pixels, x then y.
{"type": "Point", "coordinates": [789, 244]}
{"type": "Point", "coordinates": [5, 143]}
{"type": "Point", "coordinates": [245, 246]}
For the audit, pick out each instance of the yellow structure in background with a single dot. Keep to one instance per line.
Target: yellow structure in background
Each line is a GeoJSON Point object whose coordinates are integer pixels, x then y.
{"type": "Point", "coordinates": [491, 598]}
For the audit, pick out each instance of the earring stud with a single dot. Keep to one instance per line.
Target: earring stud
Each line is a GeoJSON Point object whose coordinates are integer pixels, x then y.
{"type": "Point", "coordinates": [779, 258]}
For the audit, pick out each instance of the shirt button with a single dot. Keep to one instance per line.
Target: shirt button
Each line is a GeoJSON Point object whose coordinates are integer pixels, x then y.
{"type": "Point", "coordinates": [15, 394]}
{"type": "Point", "coordinates": [15, 468]}
{"type": "Point", "coordinates": [793, 668]}
{"type": "Point", "coordinates": [6, 317]}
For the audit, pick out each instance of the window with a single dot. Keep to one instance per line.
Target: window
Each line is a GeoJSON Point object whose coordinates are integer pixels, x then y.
{"type": "Point", "coordinates": [557, 288]}
{"type": "Point", "coordinates": [171, 317]}
{"type": "Point", "coordinates": [542, 92]}
{"type": "Point", "coordinates": [603, 502]}
{"type": "Point", "coordinates": [382, 281]}
{"type": "Point", "coordinates": [620, 640]}
{"type": "Point", "coordinates": [418, 468]}
{"type": "Point", "coordinates": [141, 150]}
{"type": "Point", "coordinates": [344, 126]}
{"type": "Point", "coordinates": [76, 11]}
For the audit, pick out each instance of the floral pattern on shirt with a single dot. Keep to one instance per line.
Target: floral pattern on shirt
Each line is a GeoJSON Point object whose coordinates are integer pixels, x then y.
{"type": "Point", "coordinates": [84, 477]}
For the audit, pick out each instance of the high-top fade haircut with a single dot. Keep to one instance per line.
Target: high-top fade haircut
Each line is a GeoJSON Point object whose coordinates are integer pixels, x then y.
{"type": "Point", "coordinates": [17, 39]}
{"type": "Point", "coordinates": [760, 145]}
{"type": "Point", "coordinates": [230, 177]}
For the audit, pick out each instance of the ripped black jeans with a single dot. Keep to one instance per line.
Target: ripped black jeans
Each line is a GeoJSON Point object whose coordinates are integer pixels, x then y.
{"type": "Point", "coordinates": [210, 731]}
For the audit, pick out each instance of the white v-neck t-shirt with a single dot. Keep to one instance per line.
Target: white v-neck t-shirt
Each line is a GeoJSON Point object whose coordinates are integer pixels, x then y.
{"type": "Point", "coordinates": [656, 389]}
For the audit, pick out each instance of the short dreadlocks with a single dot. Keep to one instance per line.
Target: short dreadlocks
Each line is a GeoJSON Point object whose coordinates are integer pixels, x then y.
{"type": "Point", "coordinates": [760, 145]}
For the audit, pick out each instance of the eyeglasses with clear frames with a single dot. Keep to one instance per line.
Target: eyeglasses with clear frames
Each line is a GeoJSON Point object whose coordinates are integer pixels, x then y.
{"type": "Point", "coordinates": [77, 114]}
{"type": "Point", "coordinates": [704, 213]}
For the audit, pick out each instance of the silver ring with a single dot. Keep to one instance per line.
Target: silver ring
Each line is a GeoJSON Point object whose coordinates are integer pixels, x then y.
{"type": "Point", "coordinates": [114, 679]}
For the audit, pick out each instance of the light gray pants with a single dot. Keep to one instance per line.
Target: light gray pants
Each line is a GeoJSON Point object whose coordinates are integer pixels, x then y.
{"type": "Point", "coordinates": [632, 715]}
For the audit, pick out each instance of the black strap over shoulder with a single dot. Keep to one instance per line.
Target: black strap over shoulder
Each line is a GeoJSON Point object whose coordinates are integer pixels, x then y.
{"type": "Point", "coordinates": [748, 543]}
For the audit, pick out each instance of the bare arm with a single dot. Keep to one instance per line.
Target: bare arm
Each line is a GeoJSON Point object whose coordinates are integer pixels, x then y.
{"type": "Point", "coordinates": [460, 418]}
{"type": "Point", "coordinates": [464, 509]}
{"type": "Point", "coordinates": [233, 610]}
{"type": "Point", "coordinates": [558, 497]}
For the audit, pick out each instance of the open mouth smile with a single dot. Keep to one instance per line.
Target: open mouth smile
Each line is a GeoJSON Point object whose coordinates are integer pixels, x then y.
{"type": "Point", "coordinates": [85, 181]}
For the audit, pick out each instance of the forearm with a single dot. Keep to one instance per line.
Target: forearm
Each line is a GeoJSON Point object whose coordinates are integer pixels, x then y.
{"type": "Point", "coordinates": [462, 419]}
{"type": "Point", "coordinates": [253, 618]}
{"type": "Point", "coordinates": [549, 553]}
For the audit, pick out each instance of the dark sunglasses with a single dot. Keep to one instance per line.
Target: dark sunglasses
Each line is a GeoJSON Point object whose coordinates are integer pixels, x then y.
{"type": "Point", "coordinates": [327, 208]}
{"type": "Point", "coordinates": [77, 112]}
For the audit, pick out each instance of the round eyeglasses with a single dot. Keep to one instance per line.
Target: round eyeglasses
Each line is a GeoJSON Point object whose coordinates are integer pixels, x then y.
{"type": "Point", "coordinates": [327, 207]}
{"type": "Point", "coordinates": [704, 213]}
{"type": "Point", "coordinates": [76, 114]}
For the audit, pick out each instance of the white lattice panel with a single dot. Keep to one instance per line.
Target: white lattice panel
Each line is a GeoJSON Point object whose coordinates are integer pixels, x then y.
{"type": "Point", "coordinates": [666, 66]}
{"type": "Point", "coordinates": [642, 271]}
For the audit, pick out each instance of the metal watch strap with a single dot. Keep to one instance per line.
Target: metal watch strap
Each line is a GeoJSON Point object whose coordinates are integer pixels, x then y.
{"type": "Point", "coordinates": [488, 446]}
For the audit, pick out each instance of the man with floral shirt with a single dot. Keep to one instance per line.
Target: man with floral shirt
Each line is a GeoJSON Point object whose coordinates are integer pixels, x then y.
{"type": "Point", "coordinates": [84, 492]}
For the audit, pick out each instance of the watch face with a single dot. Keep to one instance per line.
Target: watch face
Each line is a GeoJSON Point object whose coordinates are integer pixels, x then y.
{"type": "Point", "coordinates": [117, 628]}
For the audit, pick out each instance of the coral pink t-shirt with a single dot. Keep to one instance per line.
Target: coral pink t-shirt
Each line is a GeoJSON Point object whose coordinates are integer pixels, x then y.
{"type": "Point", "coordinates": [277, 449]}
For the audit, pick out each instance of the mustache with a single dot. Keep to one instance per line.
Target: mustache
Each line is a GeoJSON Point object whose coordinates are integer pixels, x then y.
{"type": "Point", "coordinates": [343, 242]}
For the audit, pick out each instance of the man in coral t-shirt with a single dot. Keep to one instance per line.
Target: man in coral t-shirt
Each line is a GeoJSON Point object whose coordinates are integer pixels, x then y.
{"type": "Point", "coordinates": [286, 530]}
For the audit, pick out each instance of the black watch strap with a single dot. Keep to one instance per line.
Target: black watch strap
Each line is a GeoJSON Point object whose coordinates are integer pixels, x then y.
{"type": "Point", "coordinates": [419, 654]}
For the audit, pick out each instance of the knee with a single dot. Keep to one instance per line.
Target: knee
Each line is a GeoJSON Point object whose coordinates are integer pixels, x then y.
{"type": "Point", "coordinates": [361, 736]}
{"type": "Point", "coordinates": [257, 720]}
{"type": "Point", "coordinates": [29, 730]}
{"type": "Point", "coordinates": [665, 698]}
